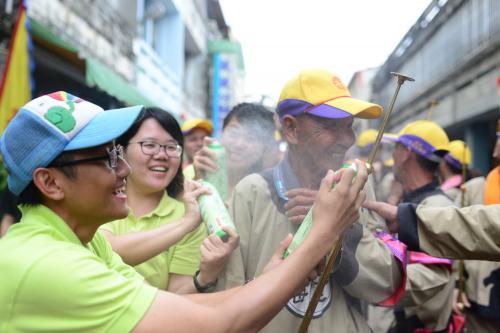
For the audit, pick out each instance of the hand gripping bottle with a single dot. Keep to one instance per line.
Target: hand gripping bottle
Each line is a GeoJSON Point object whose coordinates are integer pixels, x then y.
{"type": "Point", "coordinates": [306, 225]}
{"type": "Point", "coordinates": [218, 178]}
{"type": "Point", "coordinates": [214, 212]}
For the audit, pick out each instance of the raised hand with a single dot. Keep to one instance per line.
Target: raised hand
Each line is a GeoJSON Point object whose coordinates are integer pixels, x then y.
{"type": "Point", "coordinates": [387, 211]}
{"type": "Point", "coordinates": [300, 200]}
{"type": "Point", "coordinates": [336, 209]}
{"type": "Point", "coordinates": [205, 160]}
{"type": "Point", "coordinates": [215, 254]}
{"type": "Point", "coordinates": [193, 189]}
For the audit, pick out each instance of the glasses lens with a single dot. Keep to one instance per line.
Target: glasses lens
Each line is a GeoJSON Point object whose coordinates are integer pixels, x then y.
{"type": "Point", "coordinates": [173, 150]}
{"type": "Point", "coordinates": [150, 148]}
{"type": "Point", "coordinates": [153, 148]}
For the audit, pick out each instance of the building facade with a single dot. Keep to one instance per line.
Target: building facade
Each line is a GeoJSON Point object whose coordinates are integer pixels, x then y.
{"type": "Point", "coordinates": [453, 52]}
{"type": "Point", "coordinates": [125, 52]}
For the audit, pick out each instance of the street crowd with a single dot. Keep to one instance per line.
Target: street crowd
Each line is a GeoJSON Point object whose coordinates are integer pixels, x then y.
{"type": "Point", "coordinates": [102, 229]}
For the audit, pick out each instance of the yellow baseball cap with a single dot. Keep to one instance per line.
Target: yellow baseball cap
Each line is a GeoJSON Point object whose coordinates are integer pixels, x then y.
{"type": "Point", "coordinates": [366, 138]}
{"type": "Point", "coordinates": [423, 137]}
{"type": "Point", "coordinates": [389, 163]}
{"type": "Point", "coordinates": [191, 124]}
{"type": "Point", "coordinates": [321, 93]}
{"type": "Point", "coordinates": [459, 153]}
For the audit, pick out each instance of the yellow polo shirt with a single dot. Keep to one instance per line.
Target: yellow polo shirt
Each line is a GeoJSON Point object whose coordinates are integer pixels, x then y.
{"type": "Point", "coordinates": [182, 258]}
{"type": "Point", "coordinates": [51, 282]}
{"type": "Point", "coordinates": [189, 172]}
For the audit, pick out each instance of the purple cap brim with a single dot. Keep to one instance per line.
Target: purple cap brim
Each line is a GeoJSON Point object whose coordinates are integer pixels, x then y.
{"type": "Point", "coordinates": [453, 161]}
{"type": "Point", "coordinates": [419, 146]}
{"type": "Point", "coordinates": [294, 107]}
{"type": "Point", "coordinates": [388, 139]}
{"type": "Point", "coordinates": [328, 111]}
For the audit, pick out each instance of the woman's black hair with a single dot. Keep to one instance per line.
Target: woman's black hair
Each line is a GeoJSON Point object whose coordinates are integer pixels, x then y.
{"type": "Point", "coordinates": [169, 124]}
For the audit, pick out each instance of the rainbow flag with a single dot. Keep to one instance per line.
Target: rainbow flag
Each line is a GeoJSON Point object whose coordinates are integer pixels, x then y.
{"type": "Point", "coordinates": [16, 84]}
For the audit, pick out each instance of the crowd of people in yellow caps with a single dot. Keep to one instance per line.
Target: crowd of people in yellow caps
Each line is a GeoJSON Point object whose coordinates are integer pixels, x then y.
{"type": "Point", "coordinates": [110, 233]}
{"type": "Point", "coordinates": [429, 170]}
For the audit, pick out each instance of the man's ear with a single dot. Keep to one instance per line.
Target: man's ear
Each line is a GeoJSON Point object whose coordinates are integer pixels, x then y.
{"type": "Point", "coordinates": [289, 127]}
{"type": "Point", "coordinates": [406, 153]}
{"type": "Point", "coordinates": [48, 181]}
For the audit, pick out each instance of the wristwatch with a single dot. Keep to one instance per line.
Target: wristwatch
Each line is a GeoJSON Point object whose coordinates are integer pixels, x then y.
{"type": "Point", "coordinates": [200, 288]}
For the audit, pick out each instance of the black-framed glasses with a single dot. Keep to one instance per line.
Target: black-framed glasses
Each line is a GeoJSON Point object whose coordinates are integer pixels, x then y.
{"type": "Point", "coordinates": [152, 148]}
{"type": "Point", "coordinates": [113, 156]}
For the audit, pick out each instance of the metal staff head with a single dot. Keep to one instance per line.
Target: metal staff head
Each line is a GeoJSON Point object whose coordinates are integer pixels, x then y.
{"type": "Point", "coordinates": [401, 78]}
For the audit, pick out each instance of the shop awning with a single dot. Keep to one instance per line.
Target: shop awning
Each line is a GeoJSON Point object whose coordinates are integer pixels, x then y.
{"type": "Point", "coordinates": [96, 73]}
{"type": "Point", "coordinates": [101, 76]}
{"type": "Point", "coordinates": [40, 31]}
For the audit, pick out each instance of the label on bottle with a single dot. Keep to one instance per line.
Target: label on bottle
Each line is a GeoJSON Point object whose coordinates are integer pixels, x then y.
{"type": "Point", "coordinates": [306, 225]}
{"type": "Point", "coordinates": [214, 212]}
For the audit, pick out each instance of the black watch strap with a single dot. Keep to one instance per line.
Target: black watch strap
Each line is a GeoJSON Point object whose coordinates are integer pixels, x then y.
{"type": "Point", "coordinates": [200, 288]}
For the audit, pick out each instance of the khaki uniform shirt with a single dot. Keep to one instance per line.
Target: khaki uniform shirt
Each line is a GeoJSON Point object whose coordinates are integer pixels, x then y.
{"type": "Point", "coordinates": [475, 233]}
{"type": "Point", "coordinates": [473, 195]}
{"type": "Point", "coordinates": [429, 287]}
{"type": "Point", "coordinates": [366, 270]}
{"type": "Point", "coordinates": [482, 278]}
{"type": "Point", "coordinates": [383, 189]}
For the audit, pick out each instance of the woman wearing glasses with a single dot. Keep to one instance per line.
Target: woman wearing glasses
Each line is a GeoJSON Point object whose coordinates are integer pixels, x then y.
{"type": "Point", "coordinates": [161, 237]}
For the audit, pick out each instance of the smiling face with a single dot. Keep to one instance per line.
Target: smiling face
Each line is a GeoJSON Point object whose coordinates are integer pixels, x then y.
{"type": "Point", "coordinates": [151, 173]}
{"type": "Point", "coordinates": [96, 193]}
{"type": "Point", "coordinates": [243, 146]}
{"type": "Point", "coordinates": [323, 142]}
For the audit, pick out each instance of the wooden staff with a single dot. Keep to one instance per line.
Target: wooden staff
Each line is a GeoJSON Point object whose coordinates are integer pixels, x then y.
{"type": "Point", "coordinates": [461, 265]}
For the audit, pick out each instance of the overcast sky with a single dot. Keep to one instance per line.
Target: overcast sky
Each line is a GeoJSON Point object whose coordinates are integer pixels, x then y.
{"type": "Point", "coordinates": [282, 37]}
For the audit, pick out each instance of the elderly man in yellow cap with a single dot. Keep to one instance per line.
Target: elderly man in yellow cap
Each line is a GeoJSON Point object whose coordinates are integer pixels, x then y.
{"type": "Point", "coordinates": [317, 113]}
{"type": "Point", "coordinates": [450, 173]}
{"type": "Point", "coordinates": [475, 231]}
{"type": "Point", "coordinates": [426, 303]}
{"type": "Point", "coordinates": [194, 131]}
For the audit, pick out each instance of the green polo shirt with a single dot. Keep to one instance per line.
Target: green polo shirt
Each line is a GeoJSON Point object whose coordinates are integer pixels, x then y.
{"type": "Point", "coordinates": [182, 258]}
{"type": "Point", "coordinates": [51, 282]}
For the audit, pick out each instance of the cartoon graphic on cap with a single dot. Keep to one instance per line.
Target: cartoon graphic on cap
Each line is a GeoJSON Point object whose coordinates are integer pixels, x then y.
{"type": "Point", "coordinates": [59, 116]}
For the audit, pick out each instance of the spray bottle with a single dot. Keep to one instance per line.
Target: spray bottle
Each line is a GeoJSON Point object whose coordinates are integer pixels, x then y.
{"type": "Point", "coordinates": [218, 178]}
{"type": "Point", "coordinates": [214, 212]}
{"type": "Point", "coordinates": [306, 225]}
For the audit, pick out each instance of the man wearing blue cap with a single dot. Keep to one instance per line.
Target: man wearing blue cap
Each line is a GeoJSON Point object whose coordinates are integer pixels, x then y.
{"type": "Point", "coordinates": [63, 275]}
{"type": "Point", "coordinates": [316, 112]}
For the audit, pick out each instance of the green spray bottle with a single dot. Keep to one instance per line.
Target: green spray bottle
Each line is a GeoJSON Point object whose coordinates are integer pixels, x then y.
{"type": "Point", "coordinates": [306, 225]}
{"type": "Point", "coordinates": [214, 212]}
{"type": "Point", "coordinates": [219, 178]}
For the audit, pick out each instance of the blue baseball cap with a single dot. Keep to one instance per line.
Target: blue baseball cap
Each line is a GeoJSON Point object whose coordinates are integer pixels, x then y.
{"type": "Point", "coordinates": [51, 124]}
